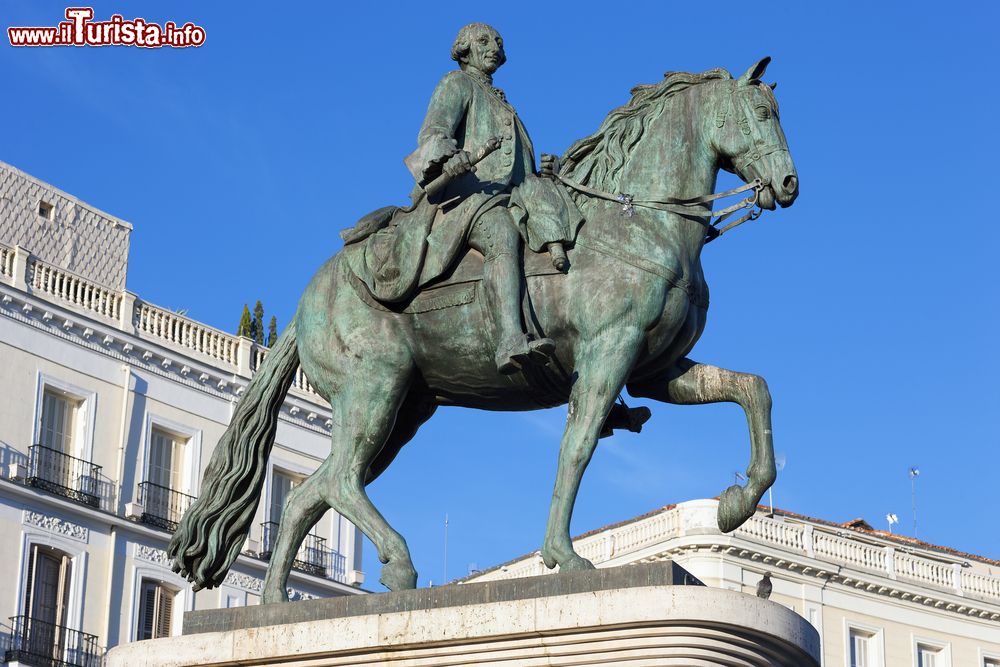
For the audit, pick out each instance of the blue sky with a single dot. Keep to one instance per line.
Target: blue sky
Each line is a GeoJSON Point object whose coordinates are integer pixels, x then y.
{"type": "Point", "coordinates": [870, 306]}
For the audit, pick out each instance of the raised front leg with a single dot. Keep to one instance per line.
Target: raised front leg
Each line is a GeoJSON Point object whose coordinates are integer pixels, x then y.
{"type": "Point", "coordinates": [602, 366]}
{"type": "Point", "coordinates": [691, 383]}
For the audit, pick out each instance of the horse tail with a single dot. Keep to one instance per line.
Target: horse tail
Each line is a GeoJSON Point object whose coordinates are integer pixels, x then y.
{"type": "Point", "coordinates": [213, 530]}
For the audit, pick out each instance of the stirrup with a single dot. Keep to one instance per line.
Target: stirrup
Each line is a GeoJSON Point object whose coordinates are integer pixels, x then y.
{"type": "Point", "coordinates": [520, 350]}
{"type": "Point", "coordinates": [558, 255]}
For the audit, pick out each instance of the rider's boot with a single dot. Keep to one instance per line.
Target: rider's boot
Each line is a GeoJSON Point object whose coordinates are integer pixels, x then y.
{"type": "Point", "coordinates": [502, 283]}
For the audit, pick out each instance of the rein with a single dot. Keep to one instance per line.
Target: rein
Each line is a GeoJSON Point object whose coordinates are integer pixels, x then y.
{"type": "Point", "coordinates": [683, 208]}
{"type": "Point", "coordinates": [687, 207]}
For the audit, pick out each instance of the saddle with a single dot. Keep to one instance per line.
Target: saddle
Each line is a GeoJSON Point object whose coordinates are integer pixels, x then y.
{"type": "Point", "coordinates": [457, 287]}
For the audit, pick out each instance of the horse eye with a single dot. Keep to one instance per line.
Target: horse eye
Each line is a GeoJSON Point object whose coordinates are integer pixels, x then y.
{"type": "Point", "coordinates": [762, 112]}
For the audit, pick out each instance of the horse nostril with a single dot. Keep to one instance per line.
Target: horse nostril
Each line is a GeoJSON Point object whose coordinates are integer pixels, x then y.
{"type": "Point", "coordinates": [791, 183]}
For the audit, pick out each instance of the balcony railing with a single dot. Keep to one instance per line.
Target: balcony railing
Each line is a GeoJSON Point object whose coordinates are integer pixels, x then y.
{"type": "Point", "coordinates": [312, 558]}
{"type": "Point", "coordinates": [35, 642]}
{"type": "Point", "coordinates": [162, 506]}
{"type": "Point", "coordinates": [64, 475]}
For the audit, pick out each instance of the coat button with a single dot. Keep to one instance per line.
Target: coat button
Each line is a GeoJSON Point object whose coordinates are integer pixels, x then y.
{"type": "Point", "coordinates": [506, 150]}
{"type": "Point", "coordinates": [507, 121]}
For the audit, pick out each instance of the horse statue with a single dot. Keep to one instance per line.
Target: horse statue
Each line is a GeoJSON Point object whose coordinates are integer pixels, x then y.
{"type": "Point", "coordinates": [626, 315]}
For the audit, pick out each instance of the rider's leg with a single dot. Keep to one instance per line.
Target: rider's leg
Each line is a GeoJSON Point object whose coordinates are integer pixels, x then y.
{"type": "Point", "coordinates": [495, 236]}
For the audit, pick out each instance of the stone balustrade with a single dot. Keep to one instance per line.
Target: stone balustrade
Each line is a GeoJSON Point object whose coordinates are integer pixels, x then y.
{"type": "Point", "coordinates": [915, 568]}
{"type": "Point", "coordinates": [136, 317]}
{"type": "Point", "coordinates": [843, 548]}
{"type": "Point", "coordinates": [6, 261]}
{"type": "Point", "coordinates": [175, 329]}
{"type": "Point", "coordinates": [980, 585]}
{"type": "Point", "coordinates": [63, 286]}
{"type": "Point", "coordinates": [858, 555]}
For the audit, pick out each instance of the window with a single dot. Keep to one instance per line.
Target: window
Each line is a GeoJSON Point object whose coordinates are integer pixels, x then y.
{"type": "Point", "coordinates": [931, 653]}
{"type": "Point", "coordinates": [60, 413]}
{"type": "Point", "coordinates": [281, 484]}
{"type": "Point", "coordinates": [991, 662]}
{"type": "Point", "coordinates": [156, 605]}
{"type": "Point", "coordinates": [41, 632]}
{"type": "Point", "coordinates": [166, 459]}
{"type": "Point", "coordinates": [927, 656]}
{"type": "Point", "coordinates": [863, 648]}
{"type": "Point", "coordinates": [45, 210]}
{"type": "Point", "coordinates": [47, 588]}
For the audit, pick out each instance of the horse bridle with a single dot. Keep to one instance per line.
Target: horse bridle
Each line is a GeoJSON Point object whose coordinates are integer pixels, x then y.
{"type": "Point", "coordinates": [683, 207]}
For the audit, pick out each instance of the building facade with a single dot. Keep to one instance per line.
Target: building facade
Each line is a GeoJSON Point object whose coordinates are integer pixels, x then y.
{"type": "Point", "coordinates": [109, 410]}
{"type": "Point", "coordinates": [876, 599]}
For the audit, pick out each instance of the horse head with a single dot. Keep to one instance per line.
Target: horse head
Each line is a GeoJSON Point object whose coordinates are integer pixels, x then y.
{"type": "Point", "coordinates": [748, 138]}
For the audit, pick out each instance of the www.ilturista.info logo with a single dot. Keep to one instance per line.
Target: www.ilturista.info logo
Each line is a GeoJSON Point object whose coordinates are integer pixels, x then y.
{"type": "Point", "coordinates": [81, 30]}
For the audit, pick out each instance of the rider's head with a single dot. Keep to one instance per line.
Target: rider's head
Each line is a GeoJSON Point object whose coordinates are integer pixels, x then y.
{"type": "Point", "coordinates": [480, 46]}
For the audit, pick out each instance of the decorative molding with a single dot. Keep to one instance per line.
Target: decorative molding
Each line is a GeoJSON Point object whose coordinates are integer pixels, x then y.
{"type": "Point", "coordinates": [152, 555]}
{"type": "Point", "coordinates": [247, 582]}
{"type": "Point", "coordinates": [56, 525]}
{"type": "Point", "coordinates": [253, 584]}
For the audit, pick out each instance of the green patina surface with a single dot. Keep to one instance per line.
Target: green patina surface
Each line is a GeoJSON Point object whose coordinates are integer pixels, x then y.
{"type": "Point", "coordinates": [615, 303]}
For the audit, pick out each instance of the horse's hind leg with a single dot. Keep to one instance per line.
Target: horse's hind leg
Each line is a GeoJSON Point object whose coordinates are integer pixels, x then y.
{"type": "Point", "coordinates": [303, 508]}
{"type": "Point", "coordinates": [307, 502]}
{"type": "Point", "coordinates": [691, 383]}
{"type": "Point", "coordinates": [364, 415]}
{"type": "Point", "coordinates": [417, 408]}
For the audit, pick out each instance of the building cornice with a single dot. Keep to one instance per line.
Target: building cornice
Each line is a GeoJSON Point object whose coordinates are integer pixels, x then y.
{"type": "Point", "coordinates": [807, 552]}
{"type": "Point", "coordinates": [103, 338]}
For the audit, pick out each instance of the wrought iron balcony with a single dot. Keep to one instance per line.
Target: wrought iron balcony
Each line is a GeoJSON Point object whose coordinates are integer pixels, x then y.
{"type": "Point", "coordinates": [64, 475]}
{"type": "Point", "coordinates": [35, 642]}
{"type": "Point", "coordinates": [312, 558]}
{"type": "Point", "coordinates": [162, 506]}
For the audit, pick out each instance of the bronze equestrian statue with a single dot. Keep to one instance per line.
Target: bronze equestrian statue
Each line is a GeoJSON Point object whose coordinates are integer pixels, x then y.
{"type": "Point", "coordinates": [623, 311]}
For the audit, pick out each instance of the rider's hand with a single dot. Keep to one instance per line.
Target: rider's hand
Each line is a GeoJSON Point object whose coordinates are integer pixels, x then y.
{"type": "Point", "coordinates": [458, 164]}
{"type": "Point", "coordinates": [550, 165]}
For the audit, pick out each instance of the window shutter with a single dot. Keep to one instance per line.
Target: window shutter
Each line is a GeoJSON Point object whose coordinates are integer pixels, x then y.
{"type": "Point", "coordinates": [29, 585]}
{"type": "Point", "coordinates": [164, 612]}
{"type": "Point", "coordinates": [155, 610]}
{"type": "Point", "coordinates": [147, 611]}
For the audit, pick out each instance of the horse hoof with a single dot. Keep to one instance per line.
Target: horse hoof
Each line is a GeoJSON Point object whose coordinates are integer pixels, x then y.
{"type": "Point", "coordinates": [575, 564]}
{"type": "Point", "coordinates": [398, 576]}
{"type": "Point", "coordinates": [733, 510]}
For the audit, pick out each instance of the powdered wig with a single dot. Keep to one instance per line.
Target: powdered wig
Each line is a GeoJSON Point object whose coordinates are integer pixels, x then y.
{"type": "Point", "coordinates": [463, 42]}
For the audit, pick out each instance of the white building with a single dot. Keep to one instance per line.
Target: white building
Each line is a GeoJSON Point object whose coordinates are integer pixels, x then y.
{"type": "Point", "coordinates": [109, 410]}
{"type": "Point", "coordinates": [877, 599]}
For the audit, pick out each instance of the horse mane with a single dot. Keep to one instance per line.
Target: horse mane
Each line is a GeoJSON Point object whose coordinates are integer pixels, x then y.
{"type": "Point", "coordinates": [598, 160]}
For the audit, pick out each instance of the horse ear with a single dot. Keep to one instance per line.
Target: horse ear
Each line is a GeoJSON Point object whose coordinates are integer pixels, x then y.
{"type": "Point", "coordinates": [773, 85]}
{"type": "Point", "coordinates": [755, 72]}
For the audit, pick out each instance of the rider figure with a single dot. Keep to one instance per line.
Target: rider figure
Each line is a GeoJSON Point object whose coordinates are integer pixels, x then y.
{"type": "Point", "coordinates": [465, 112]}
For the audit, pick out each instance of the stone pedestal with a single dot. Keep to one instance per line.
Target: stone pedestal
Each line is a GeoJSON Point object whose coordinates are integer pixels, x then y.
{"type": "Point", "coordinates": [633, 615]}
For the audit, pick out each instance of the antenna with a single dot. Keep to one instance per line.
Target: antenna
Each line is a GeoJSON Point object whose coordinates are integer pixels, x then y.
{"type": "Point", "coordinates": [445, 579]}
{"type": "Point", "coordinates": [779, 462]}
{"type": "Point", "coordinates": [892, 519]}
{"type": "Point", "coordinates": [914, 473]}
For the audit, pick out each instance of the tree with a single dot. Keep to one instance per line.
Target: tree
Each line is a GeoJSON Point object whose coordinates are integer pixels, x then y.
{"type": "Point", "coordinates": [257, 332]}
{"type": "Point", "coordinates": [272, 331]}
{"type": "Point", "coordinates": [245, 323]}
